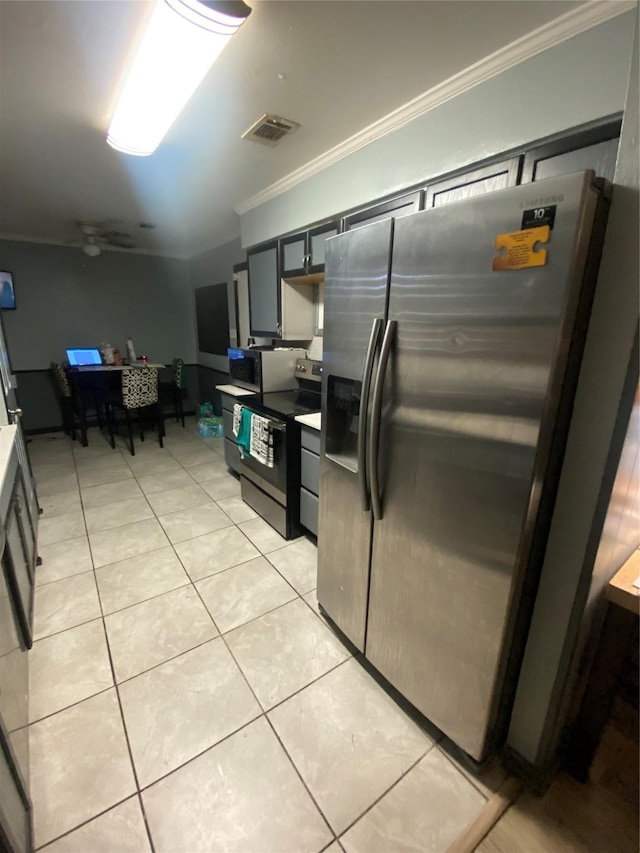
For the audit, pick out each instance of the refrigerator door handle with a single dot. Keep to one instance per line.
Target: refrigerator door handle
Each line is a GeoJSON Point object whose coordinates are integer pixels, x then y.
{"type": "Point", "coordinates": [376, 415]}
{"type": "Point", "coordinates": [363, 480]}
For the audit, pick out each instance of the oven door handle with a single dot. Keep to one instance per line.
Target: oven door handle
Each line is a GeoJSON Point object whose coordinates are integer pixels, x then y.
{"type": "Point", "coordinates": [279, 426]}
{"type": "Point", "coordinates": [363, 479]}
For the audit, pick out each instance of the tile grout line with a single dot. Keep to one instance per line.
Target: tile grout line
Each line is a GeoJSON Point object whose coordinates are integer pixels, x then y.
{"type": "Point", "coordinates": [268, 721]}
{"type": "Point", "coordinates": [387, 790]}
{"type": "Point", "coordinates": [218, 636]}
{"type": "Point", "coordinates": [113, 686]}
{"type": "Point", "coordinates": [221, 636]}
{"type": "Point", "coordinates": [459, 770]}
{"type": "Point", "coordinates": [65, 708]}
{"type": "Point", "coordinates": [118, 697]}
{"type": "Point", "coordinates": [299, 775]}
{"type": "Point", "coordinates": [265, 713]}
{"type": "Point", "coordinates": [84, 823]}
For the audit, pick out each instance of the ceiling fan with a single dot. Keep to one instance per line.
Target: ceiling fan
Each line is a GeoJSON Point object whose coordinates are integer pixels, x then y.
{"type": "Point", "coordinates": [95, 235]}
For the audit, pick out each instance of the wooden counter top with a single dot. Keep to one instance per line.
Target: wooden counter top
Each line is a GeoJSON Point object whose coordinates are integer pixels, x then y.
{"type": "Point", "coordinates": [621, 589]}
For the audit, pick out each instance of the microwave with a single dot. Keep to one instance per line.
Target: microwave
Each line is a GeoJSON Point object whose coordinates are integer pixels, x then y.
{"type": "Point", "coordinates": [264, 369]}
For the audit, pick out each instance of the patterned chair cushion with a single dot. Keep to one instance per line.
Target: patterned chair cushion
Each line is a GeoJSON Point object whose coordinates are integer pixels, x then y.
{"type": "Point", "coordinates": [139, 387]}
{"type": "Point", "coordinates": [61, 380]}
{"type": "Point", "coordinates": [178, 364]}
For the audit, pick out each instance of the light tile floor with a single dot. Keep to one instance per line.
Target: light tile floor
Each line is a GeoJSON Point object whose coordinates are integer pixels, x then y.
{"type": "Point", "coordinates": [186, 693]}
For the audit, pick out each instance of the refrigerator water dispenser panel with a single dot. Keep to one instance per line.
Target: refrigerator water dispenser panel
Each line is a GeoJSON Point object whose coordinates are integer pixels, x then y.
{"type": "Point", "coordinates": [343, 419]}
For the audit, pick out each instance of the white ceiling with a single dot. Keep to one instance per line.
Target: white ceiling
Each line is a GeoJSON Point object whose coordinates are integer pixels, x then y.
{"type": "Point", "coordinates": [334, 66]}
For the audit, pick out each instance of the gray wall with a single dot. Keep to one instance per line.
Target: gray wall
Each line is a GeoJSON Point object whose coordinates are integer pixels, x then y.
{"type": "Point", "coordinates": [66, 299]}
{"type": "Point", "coordinates": [580, 80]}
{"type": "Point", "coordinates": [560, 616]}
{"type": "Point", "coordinates": [621, 531]}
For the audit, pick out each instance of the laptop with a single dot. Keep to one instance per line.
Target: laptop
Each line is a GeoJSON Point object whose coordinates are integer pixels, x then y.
{"type": "Point", "coordinates": [83, 355]}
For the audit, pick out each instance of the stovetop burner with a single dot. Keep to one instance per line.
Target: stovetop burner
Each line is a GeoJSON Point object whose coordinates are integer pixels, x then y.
{"type": "Point", "coordinates": [285, 404]}
{"type": "Point", "coordinates": [304, 400]}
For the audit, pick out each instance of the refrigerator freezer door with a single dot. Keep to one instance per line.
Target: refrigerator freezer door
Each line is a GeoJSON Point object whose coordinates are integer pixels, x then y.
{"type": "Point", "coordinates": [477, 368]}
{"type": "Point", "coordinates": [356, 287]}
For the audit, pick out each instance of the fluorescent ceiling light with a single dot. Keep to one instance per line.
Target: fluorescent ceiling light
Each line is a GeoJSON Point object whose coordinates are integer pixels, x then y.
{"type": "Point", "coordinates": [181, 43]}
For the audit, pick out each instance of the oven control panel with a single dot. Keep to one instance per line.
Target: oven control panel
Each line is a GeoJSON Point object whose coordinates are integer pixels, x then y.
{"type": "Point", "coordinates": [307, 368]}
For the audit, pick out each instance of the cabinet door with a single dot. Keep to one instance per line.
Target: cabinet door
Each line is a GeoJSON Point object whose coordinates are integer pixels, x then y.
{"type": "Point", "coordinates": [476, 182]}
{"type": "Point", "coordinates": [26, 526]}
{"type": "Point", "coordinates": [14, 679]}
{"type": "Point", "coordinates": [317, 236]}
{"type": "Point", "coordinates": [409, 203]}
{"type": "Point", "coordinates": [264, 291]}
{"type": "Point", "coordinates": [18, 572]}
{"type": "Point", "coordinates": [594, 148]}
{"type": "Point", "coordinates": [293, 255]}
{"type": "Point", "coordinates": [600, 157]}
{"type": "Point", "coordinates": [241, 301]}
{"type": "Point", "coordinates": [15, 823]}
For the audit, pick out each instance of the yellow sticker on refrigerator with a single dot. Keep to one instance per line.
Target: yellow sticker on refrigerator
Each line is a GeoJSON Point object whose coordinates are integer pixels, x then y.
{"type": "Point", "coordinates": [521, 249]}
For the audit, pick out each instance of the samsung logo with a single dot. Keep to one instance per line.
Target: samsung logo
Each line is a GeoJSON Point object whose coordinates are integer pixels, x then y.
{"type": "Point", "coordinates": [542, 201]}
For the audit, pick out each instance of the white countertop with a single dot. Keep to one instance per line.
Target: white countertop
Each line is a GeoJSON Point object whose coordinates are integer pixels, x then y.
{"type": "Point", "coordinates": [233, 390]}
{"type": "Point", "coordinates": [314, 421]}
{"type": "Point", "coordinates": [8, 465]}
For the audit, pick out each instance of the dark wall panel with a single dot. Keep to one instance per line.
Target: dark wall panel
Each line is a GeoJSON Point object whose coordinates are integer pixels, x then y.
{"type": "Point", "coordinates": [212, 314]}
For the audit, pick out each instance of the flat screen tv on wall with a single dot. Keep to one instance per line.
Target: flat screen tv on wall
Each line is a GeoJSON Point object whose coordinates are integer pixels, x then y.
{"type": "Point", "coordinates": [7, 293]}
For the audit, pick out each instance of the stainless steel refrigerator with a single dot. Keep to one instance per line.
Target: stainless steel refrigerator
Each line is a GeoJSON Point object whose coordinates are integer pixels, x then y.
{"type": "Point", "coordinates": [452, 346]}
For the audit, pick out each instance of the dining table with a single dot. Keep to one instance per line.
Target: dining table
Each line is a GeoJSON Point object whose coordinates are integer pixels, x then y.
{"type": "Point", "coordinates": [92, 384]}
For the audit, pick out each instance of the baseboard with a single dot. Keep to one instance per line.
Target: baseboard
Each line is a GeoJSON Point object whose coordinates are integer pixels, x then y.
{"type": "Point", "coordinates": [41, 430]}
{"type": "Point", "coordinates": [90, 424]}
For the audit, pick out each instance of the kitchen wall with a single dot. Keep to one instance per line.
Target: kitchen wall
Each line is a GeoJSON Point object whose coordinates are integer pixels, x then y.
{"type": "Point", "coordinates": [580, 80]}
{"type": "Point", "coordinates": [574, 573]}
{"type": "Point", "coordinates": [65, 298]}
{"type": "Point", "coordinates": [213, 267]}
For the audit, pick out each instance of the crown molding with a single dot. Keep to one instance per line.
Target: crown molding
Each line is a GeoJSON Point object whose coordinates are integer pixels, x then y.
{"type": "Point", "coordinates": [549, 35]}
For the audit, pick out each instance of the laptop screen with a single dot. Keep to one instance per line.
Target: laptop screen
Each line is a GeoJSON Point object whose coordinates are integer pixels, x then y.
{"type": "Point", "coordinates": [86, 355]}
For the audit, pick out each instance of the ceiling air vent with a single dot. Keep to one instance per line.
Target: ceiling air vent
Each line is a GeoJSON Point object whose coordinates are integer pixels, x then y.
{"type": "Point", "coordinates": [270, 129]}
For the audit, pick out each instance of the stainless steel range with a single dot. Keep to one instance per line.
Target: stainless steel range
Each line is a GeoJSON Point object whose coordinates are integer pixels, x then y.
{"type": "Point", "coordinates": [274, 493]}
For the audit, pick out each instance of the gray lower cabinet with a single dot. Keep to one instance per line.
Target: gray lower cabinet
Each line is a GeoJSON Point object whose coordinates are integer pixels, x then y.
{"type": "Point", "coordinates": [231, 455]}
{"type": "Point", "coordinates": [15, 636]}
{"type": "Point", "coordinates": [309, 478]}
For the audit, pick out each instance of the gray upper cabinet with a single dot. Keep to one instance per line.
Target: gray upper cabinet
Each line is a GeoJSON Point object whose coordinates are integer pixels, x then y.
{"type": "Point", "coordinates": [277, 308]}
{"type": "Point", "coordinates": [264, 291]}
{"type": "Point", "coordinates": [399, 206]}
{"type": "Point", "coordinates": [593, 148]}
{"type": "Point", "coordinates": [293, 255]}
{"type": "Point", "coordinates": [600, 157]}
{"type": "Point", "coordinates": [282, 311]}
{"type": "Point", "coordinates": [303, 253]}
{"type": "Point", "coordinates": [315, 245]}
{"type": "Point", "coordinates": [486, 179]}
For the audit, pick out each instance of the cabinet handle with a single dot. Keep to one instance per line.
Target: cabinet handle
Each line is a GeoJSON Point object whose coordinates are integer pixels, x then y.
{"type": "Point", "coordinates": [279, 329]}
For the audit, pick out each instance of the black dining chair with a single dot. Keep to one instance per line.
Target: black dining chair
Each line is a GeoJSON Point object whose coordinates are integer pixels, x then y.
{"type": "Point", "coordinates": [65, 398]}
{"type": "Point", "coordinates": [139, 395]}
{"type": "Point", "coordinates": [172, 392]}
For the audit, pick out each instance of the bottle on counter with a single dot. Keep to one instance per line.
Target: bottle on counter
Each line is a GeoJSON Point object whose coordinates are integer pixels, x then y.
{"type": "Point", "coordinates": [107, 354]}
